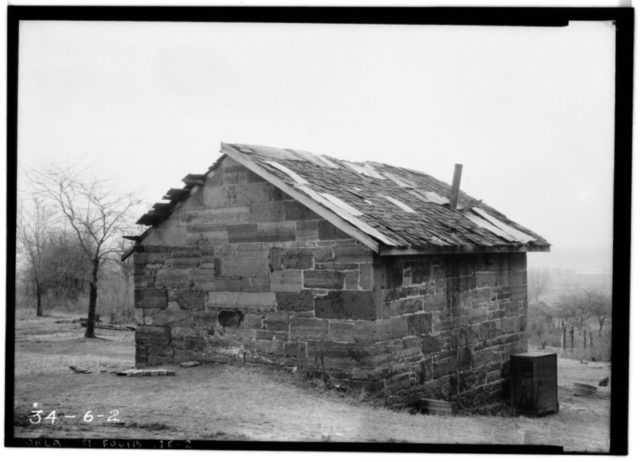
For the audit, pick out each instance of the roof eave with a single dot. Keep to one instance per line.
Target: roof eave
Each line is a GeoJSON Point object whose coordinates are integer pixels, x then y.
{"type": "Point", "coordinates": [128, 252]}
{"type": "Point", "coordinates": [136, 245]}
{"type": "Point", "coordinates": [391, 251]}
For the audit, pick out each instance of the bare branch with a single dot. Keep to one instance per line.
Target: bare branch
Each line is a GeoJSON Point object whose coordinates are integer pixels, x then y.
{"type": "Point", "coordinates": [95, 215]}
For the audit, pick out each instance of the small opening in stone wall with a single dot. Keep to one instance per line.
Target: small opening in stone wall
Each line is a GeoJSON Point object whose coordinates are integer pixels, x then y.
{"type": "Point", "coordinates": [228, 318]}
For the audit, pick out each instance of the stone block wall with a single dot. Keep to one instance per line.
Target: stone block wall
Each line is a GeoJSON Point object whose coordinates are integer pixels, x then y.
{"type": "Point", "coordinates": [256, 301]}
{"type": "Point", "coordinates": [456, 321]}
{"type": "Point", "coordinates": [242, 272]}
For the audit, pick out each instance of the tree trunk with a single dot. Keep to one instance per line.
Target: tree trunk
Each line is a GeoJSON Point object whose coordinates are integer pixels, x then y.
{"type": "Point", "coordinates": [38, 300]}
{"type": "Point", "coordinates": [572, 333]}
{"type": "Point", "coordinates": [564, 336]}
{"type": "Point", "coordinates": [93, 299]}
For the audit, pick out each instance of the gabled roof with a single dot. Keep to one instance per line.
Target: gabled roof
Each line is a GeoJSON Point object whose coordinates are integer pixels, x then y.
{"type": "Point", "coordinates": [391, 210]}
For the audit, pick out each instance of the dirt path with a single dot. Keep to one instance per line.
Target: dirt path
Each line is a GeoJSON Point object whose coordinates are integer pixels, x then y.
{"type": "Point", "coordinates": [219, 402]}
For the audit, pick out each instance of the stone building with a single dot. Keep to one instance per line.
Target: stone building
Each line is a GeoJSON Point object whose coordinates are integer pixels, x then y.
{"type": "Point", "coordinates": [364, 274]}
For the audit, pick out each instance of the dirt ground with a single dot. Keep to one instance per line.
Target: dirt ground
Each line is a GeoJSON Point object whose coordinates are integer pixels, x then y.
{"type": "Point", "coordinates": [222, 402]}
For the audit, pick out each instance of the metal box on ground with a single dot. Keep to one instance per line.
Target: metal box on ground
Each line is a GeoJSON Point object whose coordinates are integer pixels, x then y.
{"type": "Point", "coordinates": [534, 383]}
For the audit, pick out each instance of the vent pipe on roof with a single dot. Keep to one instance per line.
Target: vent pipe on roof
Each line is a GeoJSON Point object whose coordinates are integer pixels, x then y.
{"type": "Point", "coordinates": [455, 187]}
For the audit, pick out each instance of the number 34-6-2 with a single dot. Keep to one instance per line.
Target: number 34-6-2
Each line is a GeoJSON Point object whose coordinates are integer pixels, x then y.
{"type": "Point", "coordinates": [36, 416]}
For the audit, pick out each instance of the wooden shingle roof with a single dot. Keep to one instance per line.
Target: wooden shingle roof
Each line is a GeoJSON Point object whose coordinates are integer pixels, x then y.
{"type": "Point", "coordinates": [390, 209]}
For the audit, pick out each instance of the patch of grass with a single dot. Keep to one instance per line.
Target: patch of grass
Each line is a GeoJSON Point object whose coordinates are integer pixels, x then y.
{"type": "Point", "coordinates": [224, 436]}
{"type": "Point", "coordinates": [59, 363]}
{"type": "Point", "coordinates": [234, 402]}
{"type": "Point", "coordinates": [151, 426]}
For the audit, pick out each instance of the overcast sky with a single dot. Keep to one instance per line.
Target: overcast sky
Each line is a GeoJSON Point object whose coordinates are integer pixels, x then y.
{"type": "Point", "coordinates": [528, 111]}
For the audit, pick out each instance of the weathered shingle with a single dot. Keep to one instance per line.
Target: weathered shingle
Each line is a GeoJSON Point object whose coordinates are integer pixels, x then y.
{"type": "Point", "coordinates": [397, 208]}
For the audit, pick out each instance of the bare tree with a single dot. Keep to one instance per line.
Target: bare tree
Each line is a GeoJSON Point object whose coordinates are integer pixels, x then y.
{"type": "Point", "coordinates": [537, 283]}
{"type": "Point", "coordinates": [540, 317]}
{"type": "Point", "coordinates": [599, 307]}
{"type": "Point", "coordinates": [573, 307]}
{"type": "Point", "coordinates": [34, 224]}
{"type": "Point", "coordinates": [65, 265]}
{"type": "Point", "coordinates": [579, 306]}
{"type": "Point", "coordinates": [96, 215]}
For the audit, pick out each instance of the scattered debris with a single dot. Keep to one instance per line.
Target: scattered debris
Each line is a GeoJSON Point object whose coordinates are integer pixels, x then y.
{"type": "Point", "coordinates": [436, 406]}
{"type": "Point", "coordinates": [101, 325]}
{"type": "Point", "coordinates": [604, 382]}
{"type": "Point", "coordinates": [83, 321]}
{"type": "Point", "coordinates": [339, 387]}
{"type": "Point", "coordinates": [115, 327]}
{"type": "Point", "coordinates": [79, 370]}
{"type": "Point", "coordinates": [189, 364]}
{"type": "Point", "coordinates": [319, 383]}
{"type": "Point", "coordinates": [582, 389]}
{"type": "Point", "coordinates": [145, 372]}
{"type": "Point", "coordinates": [98, 324]}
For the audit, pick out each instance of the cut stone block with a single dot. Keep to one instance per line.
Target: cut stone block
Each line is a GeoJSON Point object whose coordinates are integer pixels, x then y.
{"type": "Point", "coordinates": [286, 281]}
{"type": "Point", "coordinates": [323, 279]}
{"type": "Point", "coordinates": [242, 300]}
{"type": "Point", "coordinates": [346, 304]}
{"type": "Point", "coordinates": [309, 329]}
{"type": "Point", "coordinates": [295, 301]}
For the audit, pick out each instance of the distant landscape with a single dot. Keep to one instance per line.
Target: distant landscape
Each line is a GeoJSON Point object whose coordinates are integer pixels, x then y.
{"type": "Point", "coordinates": [582, 261]}
{"type": "Point", "coordinates": [569, 292]}
{"type": "Point", "coordinates": [572, 269]}
{"type": "Point", "coordinates": [579, 259]}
